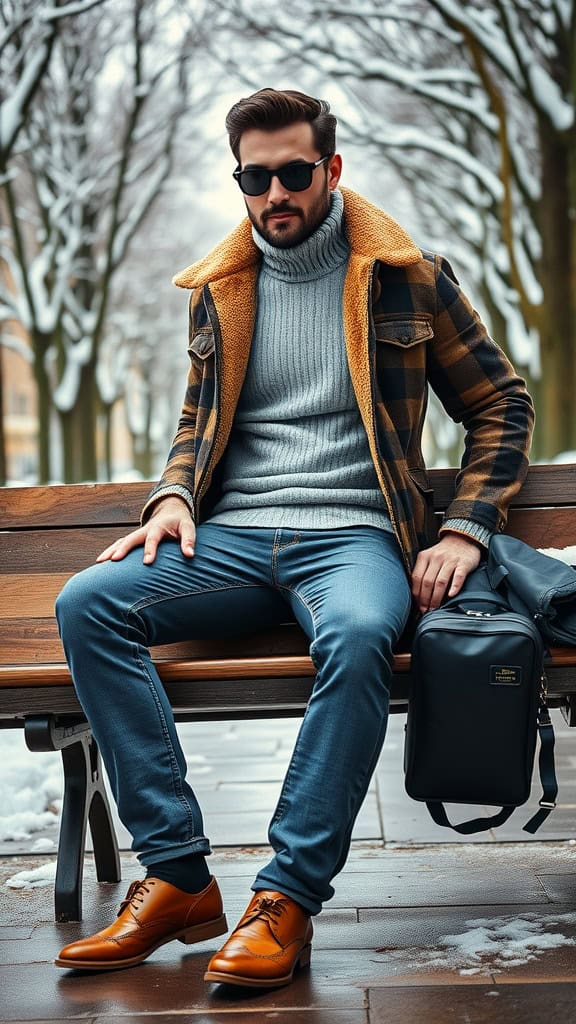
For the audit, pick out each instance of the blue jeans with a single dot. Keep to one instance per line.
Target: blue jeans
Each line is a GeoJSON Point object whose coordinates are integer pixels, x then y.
{"type": "Point", "coordinates": [349, 591]}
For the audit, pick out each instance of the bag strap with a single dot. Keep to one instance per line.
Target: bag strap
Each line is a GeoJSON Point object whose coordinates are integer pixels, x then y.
{"type": "Point", "coordinates": [548, 779]}
{"type": "Point", "coordinates": [545, 763]}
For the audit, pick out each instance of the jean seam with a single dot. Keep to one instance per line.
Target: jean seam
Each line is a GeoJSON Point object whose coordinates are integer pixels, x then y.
{"type": "Point", "coordinates": [280, 806]}
{"type": "Point", "coordinates": [276, 548]}
{"type": "Point", "coordinates": [288, 543]}
{"type": "Point", "coordinates": [147, 602]}
{"type": "Point", "coordinates": [176, 779]}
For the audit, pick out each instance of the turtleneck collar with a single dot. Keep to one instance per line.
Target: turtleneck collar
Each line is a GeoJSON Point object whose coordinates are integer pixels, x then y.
{"type": "Point", "coordinates": [319, 254]}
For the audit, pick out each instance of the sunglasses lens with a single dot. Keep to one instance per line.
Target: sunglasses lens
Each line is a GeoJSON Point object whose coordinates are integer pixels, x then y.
{"type": "Point", "coordinates": [296, 177]}
{"type": "Point", "coordinates": [255, 181]}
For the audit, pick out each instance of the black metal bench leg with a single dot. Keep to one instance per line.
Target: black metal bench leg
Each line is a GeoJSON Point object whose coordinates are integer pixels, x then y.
{"type": "Point", "coordinates": [85, 800]}
{"type": "Point", "coordinates": [68, 887]}
{"type": "Point", "coordinates": [106, 853]}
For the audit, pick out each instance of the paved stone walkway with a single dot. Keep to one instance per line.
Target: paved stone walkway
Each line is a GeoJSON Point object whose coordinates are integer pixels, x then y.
{"type": "Point", "coordinates": [475, 933]}
{"type": "Point", "coordinates": [425, 926]}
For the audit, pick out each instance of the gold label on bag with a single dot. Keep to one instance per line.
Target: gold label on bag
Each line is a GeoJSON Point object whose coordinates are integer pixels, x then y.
{"type": "Point", "coordinates": [505, 675]}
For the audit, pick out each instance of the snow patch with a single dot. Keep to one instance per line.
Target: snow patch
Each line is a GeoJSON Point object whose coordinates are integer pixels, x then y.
{"type": "Point", "coordinates": [30, 789]}
{"type": "Point", "coordinates": [549, 98]}
{"type": "Point", "coordinates": [567, 555]}
{"type": "Point", "coordinates": [44, 874]}
{"type": "Point", "coordinates": [491, 945]}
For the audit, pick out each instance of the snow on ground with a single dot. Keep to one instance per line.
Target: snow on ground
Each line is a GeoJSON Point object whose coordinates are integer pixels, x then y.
{"type": "Point", "coordinates": [31, 787]}
{"type": "Point", "coordinates": [44, 874]}
{"type": "Point", "coordinates": [490, 945]}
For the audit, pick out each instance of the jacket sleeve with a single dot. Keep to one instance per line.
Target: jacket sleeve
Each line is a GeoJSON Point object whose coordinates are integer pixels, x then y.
{"type": "Point", "coordinates": [178, 476]}
{"type": "Point", "coordinates": [479, 388]}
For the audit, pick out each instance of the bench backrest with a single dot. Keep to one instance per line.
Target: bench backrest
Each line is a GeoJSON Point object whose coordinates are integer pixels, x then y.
{"type": "Point", "coordinates": [49, 533]}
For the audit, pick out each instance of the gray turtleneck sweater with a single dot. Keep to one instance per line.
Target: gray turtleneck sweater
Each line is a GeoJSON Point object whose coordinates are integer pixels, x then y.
{"type": "Point", "coordinates": [298, 453]}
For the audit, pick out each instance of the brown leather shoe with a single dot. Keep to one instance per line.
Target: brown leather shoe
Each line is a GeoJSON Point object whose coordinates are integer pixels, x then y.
{"type": "Point", "coordinates": [271, 939]}
{"type": "Point", "coordinates": [153, 913]}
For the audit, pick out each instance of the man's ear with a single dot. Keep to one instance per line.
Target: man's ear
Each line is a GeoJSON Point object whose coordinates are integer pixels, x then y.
{"type": "Point", "coordinates": [334, 171]}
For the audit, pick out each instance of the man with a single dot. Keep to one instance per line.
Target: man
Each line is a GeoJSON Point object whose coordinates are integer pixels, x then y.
{"type": "Point", "coordinates": [295, 483]}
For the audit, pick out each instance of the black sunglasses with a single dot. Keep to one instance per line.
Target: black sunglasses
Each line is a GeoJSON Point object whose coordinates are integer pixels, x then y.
{"type": "Point", "coordinates": [296, 177]}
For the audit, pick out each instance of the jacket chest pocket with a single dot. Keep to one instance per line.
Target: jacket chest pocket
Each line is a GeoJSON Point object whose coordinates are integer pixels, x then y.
{"type": "Point", "coordinates": [202, 356]}
{"type": "Point", "coordinates": [401, 354]}
{"type": "Point", "coordinates": [201, 347]}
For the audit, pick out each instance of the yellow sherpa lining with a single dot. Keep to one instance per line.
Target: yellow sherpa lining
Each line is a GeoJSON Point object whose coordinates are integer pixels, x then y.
{"type": "Point", "coordinates": [235, 301]}
{"type": "Point", "coordinates": [371, 233]}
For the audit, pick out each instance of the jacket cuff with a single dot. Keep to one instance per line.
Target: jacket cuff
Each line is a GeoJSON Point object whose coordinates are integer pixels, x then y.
{"type": "Point", "coordinates": [468, 527]}
{"type": "Point", "coordinates": [170, 490]}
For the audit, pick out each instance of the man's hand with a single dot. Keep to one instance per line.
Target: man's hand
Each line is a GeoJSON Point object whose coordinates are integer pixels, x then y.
{"type": "Point", "coordinates": [447, 562]}
{"type": "Point", "coordinates": [171, 518]}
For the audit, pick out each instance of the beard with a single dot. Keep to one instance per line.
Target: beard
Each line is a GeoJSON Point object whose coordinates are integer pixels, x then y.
{"type": "Point", "coordinates": [287, 234]}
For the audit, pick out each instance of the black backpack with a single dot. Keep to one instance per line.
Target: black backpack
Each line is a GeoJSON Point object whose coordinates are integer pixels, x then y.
{"type": "Point", "coordinates": [477, 702]}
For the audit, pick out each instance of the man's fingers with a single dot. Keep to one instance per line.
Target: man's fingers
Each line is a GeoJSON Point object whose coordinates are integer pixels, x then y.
{"type": "Point", "coordinates": [167, 524]}
{"type": "Point", "coordinates": [418, 574]}
{"type": "Point", "coordinates": [153, 538]}
{"type": "Point", "coordinates": [121, 547]}
{"type": "Point", "coordinates": [187, 538]}
{"type": "Point", "coordinates": [441, 582]}
{"type": "Point", "coordinates": [457, 581]}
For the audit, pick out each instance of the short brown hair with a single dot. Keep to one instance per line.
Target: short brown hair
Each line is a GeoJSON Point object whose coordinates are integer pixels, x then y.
{"type": "Point", "coordinates": [269, 109]}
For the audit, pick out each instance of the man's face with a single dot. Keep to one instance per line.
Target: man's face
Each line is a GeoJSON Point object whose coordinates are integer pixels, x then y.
{"type": "Point", "coordinates": [286, 218]}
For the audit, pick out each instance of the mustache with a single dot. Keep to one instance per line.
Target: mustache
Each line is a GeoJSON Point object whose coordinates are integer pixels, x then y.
{"type": "Point", "coordinates": [281, 209]}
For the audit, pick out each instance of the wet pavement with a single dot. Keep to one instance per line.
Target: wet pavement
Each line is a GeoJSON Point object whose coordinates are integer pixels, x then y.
{"type": "Point", "coordinates": [465, 932]}
{"type": "Point", "coordinates": [424, 926]}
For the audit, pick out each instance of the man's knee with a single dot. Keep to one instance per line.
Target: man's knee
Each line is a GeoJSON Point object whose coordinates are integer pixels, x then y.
{"type": "Point", "coordinates": [357, 640]}
{"type": "Point", "coordinates": [76, 600]}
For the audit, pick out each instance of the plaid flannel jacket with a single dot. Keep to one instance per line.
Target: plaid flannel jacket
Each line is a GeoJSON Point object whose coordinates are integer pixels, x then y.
{"type": "Point", "coordinates": [407, 325]}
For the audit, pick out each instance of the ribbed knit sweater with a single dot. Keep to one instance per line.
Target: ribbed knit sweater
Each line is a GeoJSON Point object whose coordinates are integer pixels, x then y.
{"type": "Point", "coordinates": [298, 453]}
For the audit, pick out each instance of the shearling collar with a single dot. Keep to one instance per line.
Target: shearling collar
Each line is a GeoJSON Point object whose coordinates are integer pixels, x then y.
{"type": "Point", "coordinates": [372, 233]}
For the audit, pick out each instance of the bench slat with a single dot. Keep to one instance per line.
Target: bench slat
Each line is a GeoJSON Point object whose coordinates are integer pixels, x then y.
{"type": "Point", "coordinates": [71, 549]}
{"type": "Point", "coordinates": [72, 505]}
{"type": "Point", "coordinates": [67, 550]}
{"type": "Point", "coordinates": [278, 666]}
{"type": "Point", "coordinates": [30, 595]}
{"type": "Point", "coordinates": [226, 698]}
{"type": "Point", "coordinates": [544, 528]}
{"type": "Point", "coordinates": [30, 641]}
{"type": "Point", "coordinates": [119, 504]}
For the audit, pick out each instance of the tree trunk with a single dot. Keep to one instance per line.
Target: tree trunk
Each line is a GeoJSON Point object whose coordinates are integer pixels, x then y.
{"type": "Point", "coordinates": [68, 454]}
{"type": "Point", "coordinates": [556, 422]}
{"type": "Point", "coordinates": [107, 410]}
{"type": "Point", "coordinates": [79, 432]}
{"type": "Point", "coordinates": [41, 342]}
{"type": "Point", "coordinates": [499, 333]}
{"type": "Point", "coordinates": [3, 468]}
{"type": "Point", "coordinates": [87, 421]}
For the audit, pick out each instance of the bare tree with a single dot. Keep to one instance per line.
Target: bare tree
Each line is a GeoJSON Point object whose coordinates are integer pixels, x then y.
{"type": "Point", "coordinates": [473, 104]}
{"type": "Point", "coordinates": [99, 148]}
{"type": "Point", "coordinates": [27, 35]}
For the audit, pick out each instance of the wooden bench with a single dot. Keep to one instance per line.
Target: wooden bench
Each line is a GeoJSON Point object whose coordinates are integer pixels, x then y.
{"type": "Point", "coordinates": [49, 533]}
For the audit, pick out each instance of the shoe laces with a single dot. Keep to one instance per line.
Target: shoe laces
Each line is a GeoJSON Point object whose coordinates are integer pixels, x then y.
{"type": "Point", "coordinates": [135, 894]}
{"type": "Point", "coordinates": [270, 908]}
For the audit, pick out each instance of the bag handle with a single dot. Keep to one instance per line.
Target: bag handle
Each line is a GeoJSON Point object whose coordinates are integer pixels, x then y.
{"type": "Point", "coordinates": [461, 601]}
{"type": "Point", "coordinates": [438, 814]}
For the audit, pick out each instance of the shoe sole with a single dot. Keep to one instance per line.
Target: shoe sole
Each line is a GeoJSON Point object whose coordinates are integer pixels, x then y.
{"type": "Point", "coordinates": [303, 961]}
{"type": "Point", "coordinates": [198, 933]}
